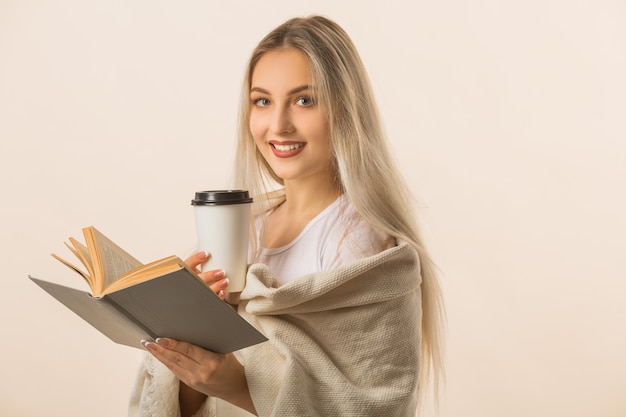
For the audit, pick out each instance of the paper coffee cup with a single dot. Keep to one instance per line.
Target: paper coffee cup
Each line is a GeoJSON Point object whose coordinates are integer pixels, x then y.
{"type": "Point", "coordinates": [222, 228]}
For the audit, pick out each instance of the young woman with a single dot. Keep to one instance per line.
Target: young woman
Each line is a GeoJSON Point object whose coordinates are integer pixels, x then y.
{"type": "Point", "coordinates": [340, 282]}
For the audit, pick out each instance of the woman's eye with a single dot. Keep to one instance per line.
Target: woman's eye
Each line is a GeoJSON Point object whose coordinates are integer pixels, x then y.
{"type": "Point", "coordinates": [260, 102]}
{"type": "Point", "coordinates": [305, 101]}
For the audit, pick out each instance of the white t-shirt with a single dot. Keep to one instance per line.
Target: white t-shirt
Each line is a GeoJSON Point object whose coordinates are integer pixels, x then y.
{"type": "Point", "coordinates": [336, 237]}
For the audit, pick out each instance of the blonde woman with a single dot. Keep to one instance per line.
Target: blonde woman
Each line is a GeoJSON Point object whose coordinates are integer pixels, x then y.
{"type": "Point", "coordinates": [341, 283]}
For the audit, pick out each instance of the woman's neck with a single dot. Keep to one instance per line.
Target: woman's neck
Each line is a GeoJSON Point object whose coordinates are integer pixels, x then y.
{"type": "Point", "coordinates": [309, 196]}
{"type": "Point", "coordinates": [304, 200]}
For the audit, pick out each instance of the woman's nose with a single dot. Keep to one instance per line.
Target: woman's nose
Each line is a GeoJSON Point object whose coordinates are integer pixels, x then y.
{"type": "Point", "coordinates": [281, 122]}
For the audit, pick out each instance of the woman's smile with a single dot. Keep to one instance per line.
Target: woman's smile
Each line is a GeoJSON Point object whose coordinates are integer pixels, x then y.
{"type": "Point", "coordinates": [285, 149]}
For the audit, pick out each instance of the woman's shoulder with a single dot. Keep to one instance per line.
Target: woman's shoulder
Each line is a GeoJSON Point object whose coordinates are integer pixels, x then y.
{"type": "Point", "coordinates": [351, 237]}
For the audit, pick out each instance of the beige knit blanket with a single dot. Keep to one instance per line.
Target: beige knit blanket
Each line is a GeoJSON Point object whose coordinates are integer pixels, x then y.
{"type": "Point", "coordinates": [341, 343]}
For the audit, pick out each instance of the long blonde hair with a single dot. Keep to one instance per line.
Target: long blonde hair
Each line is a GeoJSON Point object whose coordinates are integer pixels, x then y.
{"type": "Point", "coordinates": [365, 170]}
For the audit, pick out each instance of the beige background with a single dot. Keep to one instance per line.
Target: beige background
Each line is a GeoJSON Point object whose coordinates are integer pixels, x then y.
{"type": "Point", "coordinates": [507, 118]}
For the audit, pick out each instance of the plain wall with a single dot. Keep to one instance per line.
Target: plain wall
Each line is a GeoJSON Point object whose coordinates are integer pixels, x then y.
{"type": "Point", "coordinates": [507, 118]}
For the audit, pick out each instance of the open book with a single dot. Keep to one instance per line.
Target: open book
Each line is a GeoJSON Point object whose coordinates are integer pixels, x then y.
{"type": "Point", "coordinates": [129, 301]}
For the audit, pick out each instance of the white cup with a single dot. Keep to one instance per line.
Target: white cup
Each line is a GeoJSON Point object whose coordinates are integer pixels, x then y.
{"type": "Point", "coordinates": [222, 228]}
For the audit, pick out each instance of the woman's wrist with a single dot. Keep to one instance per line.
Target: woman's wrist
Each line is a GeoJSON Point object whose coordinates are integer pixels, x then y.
{"type": "Point", "coordinates": [190, 400]}
{"type": "Point", "coordinates": [239, 394]}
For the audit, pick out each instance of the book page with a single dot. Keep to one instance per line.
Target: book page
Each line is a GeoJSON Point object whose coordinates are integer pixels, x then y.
{"type": "Point", "coordinates": [152, 270]}
{"type": "Point", "coordinates": [73, 267]}
{"type": "Point", "coordinates": [109, 260]}
{"type": "Point", "coordinates": [82, 253]}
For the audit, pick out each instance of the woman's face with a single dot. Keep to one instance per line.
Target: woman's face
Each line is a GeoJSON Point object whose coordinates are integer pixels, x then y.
{"type": "Point", "coordinates": [287, 124]}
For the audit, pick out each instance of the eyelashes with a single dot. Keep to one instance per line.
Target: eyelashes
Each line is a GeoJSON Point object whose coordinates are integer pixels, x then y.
{"type": "Point", "coordinates": [302, 101]}
{"type": "Point", "coordinates": [260, 102]}
{"type": "Point", "coordinates": [305, 101]}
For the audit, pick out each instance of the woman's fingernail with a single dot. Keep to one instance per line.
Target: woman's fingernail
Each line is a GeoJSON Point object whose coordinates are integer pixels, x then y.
{"type": "Point", "coordinates": [226, 282]}
{"type": "Point", "coordinates": [219, 273]}
{"type": "Point", "coordinates": [203, 254]}
{"type": "Point", "coordinates": [221, 294]}
{"type": "Point", "coordinates": [162, 342]}
{"type": "Point", "coordinates": [148, 344]}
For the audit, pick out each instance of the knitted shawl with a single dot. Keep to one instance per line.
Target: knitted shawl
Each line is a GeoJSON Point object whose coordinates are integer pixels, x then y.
{"type": "Point", "coordinates": [344, 342]}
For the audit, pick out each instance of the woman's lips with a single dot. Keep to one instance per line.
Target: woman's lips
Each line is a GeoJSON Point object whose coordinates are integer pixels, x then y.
{"type": "Point", "coordinates": [286, 149]}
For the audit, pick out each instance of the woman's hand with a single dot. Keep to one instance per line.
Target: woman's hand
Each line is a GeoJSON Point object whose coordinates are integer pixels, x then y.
{"type": "Point", "coordinates": [215, 278]}
{"type": "Point", "coordinates": [213, 374]}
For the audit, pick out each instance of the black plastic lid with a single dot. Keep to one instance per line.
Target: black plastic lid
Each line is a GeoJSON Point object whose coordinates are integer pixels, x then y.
{"type": "Point", "coordinates": [221, 197]}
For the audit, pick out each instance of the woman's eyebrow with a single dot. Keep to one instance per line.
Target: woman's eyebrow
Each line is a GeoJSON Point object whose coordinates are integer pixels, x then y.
{"type": "Point", "coordinates": [290, 92]}
{"type": "Point", "coordinates": [299, 89]}
{"type": "Point", "coordinates": [259, 90]}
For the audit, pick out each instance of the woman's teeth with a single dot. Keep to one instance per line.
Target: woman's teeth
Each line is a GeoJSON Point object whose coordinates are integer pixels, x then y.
{"type": "Point", "coordinates": [284, 148]}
